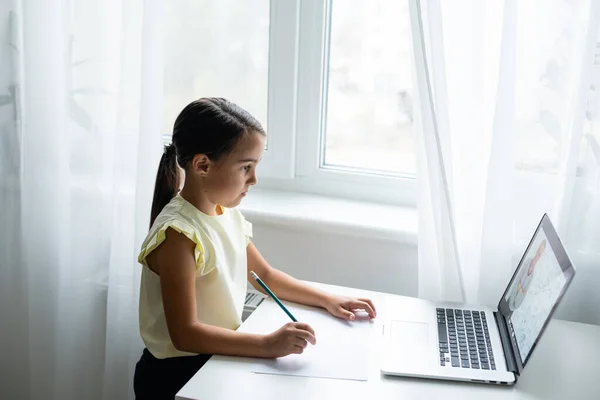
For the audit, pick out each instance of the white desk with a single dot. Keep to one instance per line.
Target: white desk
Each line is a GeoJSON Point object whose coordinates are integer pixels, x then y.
{"type": "Point", "coordinates": [566, 365]}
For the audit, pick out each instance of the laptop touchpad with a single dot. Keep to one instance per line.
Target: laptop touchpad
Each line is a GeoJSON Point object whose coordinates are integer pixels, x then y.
{"type": "Point", "coordinates": [409, 340]}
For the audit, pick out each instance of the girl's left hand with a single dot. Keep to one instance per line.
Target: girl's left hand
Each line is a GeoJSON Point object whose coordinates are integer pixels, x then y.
{"type": "Point", "coordinates": [342, 307]}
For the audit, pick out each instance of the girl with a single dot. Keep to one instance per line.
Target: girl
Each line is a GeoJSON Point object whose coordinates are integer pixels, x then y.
{"type": "Point", "coordinates": [197, 255]}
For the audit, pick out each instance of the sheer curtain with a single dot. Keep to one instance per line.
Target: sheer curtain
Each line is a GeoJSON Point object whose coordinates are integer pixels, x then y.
{"type": "Point", "coordinates": [510, 131]}
{"type": "Point", "coordinates": [79, 144]}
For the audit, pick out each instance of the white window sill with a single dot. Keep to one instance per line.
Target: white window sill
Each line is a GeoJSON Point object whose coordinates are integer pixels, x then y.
{"type": "Point", "coordinates": [331, 215]}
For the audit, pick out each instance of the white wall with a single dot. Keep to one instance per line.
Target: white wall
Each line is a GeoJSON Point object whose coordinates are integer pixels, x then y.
{"type": "Point", "coordinates": [373, 264]}
{"type": "Point", "coordinates": [582, 301]}
{"type": "Point", "coordinates": [388, 266]}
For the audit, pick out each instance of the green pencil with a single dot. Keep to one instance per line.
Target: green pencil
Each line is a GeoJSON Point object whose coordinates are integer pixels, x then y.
{"type": "Point", "coordinates": [262, 284]}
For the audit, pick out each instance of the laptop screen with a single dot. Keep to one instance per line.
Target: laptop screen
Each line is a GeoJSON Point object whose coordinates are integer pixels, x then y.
{"type": "Point", "coordinates": [535, 289]}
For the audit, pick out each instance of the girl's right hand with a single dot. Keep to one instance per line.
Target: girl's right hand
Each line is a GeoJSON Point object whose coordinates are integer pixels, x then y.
{"type": "Point", "coordinates": [292, 338]}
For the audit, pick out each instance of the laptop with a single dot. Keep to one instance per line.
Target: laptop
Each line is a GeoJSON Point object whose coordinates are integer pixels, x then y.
{"type": "Point", "coordinates": [480, 344]}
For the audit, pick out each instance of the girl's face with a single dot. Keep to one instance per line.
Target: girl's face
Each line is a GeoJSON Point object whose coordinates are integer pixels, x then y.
{"type": "Point", "coordinates": [228, 180]}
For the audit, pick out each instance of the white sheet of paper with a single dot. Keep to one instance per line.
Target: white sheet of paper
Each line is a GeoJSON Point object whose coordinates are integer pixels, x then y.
{"type": "Point", "coordinates": [341, 351]}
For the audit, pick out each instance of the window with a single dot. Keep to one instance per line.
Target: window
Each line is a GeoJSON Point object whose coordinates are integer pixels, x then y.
{"type": "Point", "coordinates": [369, 104]}
{"type": "Point", "coordinates": [330, 80]}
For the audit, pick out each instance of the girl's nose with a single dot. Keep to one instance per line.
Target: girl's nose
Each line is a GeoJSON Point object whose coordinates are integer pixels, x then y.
{"type": "Point", "coordinates": [253, 179]}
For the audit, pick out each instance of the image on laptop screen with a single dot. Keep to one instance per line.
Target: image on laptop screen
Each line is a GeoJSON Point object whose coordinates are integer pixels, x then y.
{"type": "Point", "coordinates": [534, 291]}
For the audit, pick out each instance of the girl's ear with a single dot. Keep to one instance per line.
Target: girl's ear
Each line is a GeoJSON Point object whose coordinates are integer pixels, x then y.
{"type": "Point", "coordinates": [201, 164]}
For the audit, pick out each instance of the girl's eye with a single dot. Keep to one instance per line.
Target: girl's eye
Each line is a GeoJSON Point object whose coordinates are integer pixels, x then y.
{"type": "Point", "coordinates": [246, 168]}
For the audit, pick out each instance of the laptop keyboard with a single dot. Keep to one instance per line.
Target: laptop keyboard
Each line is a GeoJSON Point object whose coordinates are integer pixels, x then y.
{"type": "Point", "coordinates": [464, 339]}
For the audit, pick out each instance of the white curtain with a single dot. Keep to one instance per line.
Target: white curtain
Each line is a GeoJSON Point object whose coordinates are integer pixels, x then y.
{"type": "Point", "coordinates": [79, 145]}
{"type": "Point", "coordinates": [510, 131]}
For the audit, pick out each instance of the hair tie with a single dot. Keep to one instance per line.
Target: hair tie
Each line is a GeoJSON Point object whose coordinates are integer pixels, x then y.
{"type": "Point", "coordinates": [170, 149]}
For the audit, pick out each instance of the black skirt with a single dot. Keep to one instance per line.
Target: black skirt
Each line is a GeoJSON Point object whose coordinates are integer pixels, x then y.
{"type": "Point", "coordinates": [159, 379]}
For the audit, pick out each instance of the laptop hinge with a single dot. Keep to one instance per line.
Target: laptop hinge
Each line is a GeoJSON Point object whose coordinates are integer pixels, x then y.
{"type": "Point", "coordinates": [509, 355]}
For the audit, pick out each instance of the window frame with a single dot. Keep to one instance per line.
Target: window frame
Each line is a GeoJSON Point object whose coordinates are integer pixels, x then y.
{"type": "Point", "coordinates": [279, 162]}
{"type": "Point", "coordinates": [297, 98]}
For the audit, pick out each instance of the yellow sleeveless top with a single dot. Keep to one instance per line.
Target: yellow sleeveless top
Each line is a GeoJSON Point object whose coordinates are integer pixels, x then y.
{"type": "Point", "coordinates": [221, 271]}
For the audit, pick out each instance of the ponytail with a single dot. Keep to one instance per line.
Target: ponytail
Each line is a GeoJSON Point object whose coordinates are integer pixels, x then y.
{"type": "Point", "coordinates": [167, 181]}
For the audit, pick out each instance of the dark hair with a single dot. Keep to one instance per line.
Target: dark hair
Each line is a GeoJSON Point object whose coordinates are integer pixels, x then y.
{"type": "Point", "coordinates": [210, 126]}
